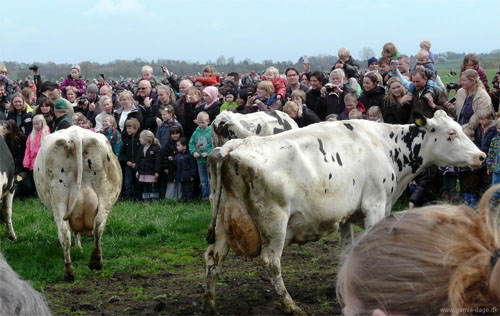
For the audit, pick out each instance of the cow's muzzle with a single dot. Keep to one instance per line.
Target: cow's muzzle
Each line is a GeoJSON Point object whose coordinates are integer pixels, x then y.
{"type": "Point", "coordinates": [478, 159]}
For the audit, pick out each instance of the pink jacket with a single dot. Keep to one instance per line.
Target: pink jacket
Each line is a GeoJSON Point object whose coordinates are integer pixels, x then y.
{"type": "Point", "coordinates": [30, 154]}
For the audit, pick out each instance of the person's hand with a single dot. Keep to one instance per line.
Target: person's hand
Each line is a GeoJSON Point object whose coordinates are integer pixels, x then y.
{"type": "Point", "coordinates": [156, 175]}
{"type": "Point", "coordinates": [419, 67]}
{"type": "Point", "coordinates": [92, 107]}
{"type": "Point", "coordinates": [158, 121]}
{"type": "Point", "coordinates": [337, 89]}
{"type": "Point", "coordinates": [430, 101]}
{"type": "Point", "coordinates": [204, 154]}
{"type": "Point", "coordinates": [165, 71]}
{"type": "Point", "coordinates": [306, 67]}
{"type": "Point", "coordinates": [411, 205]}
{"type": "Point", "coordinates": [323, 92]}
{"type": "Point", "coordinates": [170, 158]}
{"type": "Point", "coordinates": [147, 102]}
{"type": "Point", "coordinates": [166, 171]}
{"type": "Point", "coordinates": [137, 174]}
{"type": "Point", "coordinates": [196, 154]}
{"type": "Point", "coordinates": [133, 165]}
{"type": "Point", "coordinates": [449, 105]}
{"type": "Point", "coordinates": [394, 65]}
{"type": "Point", "coordinates": [339, 65]}
{"type": "Point", "coordinates": [129, 163]}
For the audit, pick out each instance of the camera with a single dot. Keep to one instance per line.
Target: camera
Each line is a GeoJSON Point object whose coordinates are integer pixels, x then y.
{"type": "Point", "coordinates": [82, 99]}
{"type": "Point", "coordinates": [451, 86]}
{"type": "Point", "coordinates": [329, 87]}
{"type": "Point", "coordinates": [33, 67]}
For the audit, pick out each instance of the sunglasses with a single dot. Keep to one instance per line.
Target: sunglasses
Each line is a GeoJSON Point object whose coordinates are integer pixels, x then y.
{"type": "Point", "coordinates": [142, 88]}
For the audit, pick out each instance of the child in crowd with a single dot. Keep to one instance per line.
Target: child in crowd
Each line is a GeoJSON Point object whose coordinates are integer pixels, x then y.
{"type": "Point", "coordinates": [493, 160]}
{"type": "Point", "coordinates": [185, 166]}
{"type": "Point", "coordinates": [168, 181]}
{"type": "Point", "coordinates": [355, 114]}
{"type": "Point", "coordinates": [210, 76]}
{"type": "Point", "coordinates": [484, 133]}
{"type": "Point", "coordinates": [147, 74]}
{"type": "Point", "coordinates": [39, 131]}
{"type": "Point", "coordinates": [389, 50]}
{"type": "Point", "coordinates": [350, 67]}
{"type": "Point", "coordinates": [273, 75]}
{"type": "Point", "coordinates": [112, 133]}
{"type": "Point", "coordinates": [80, 120]}
{"type": "Point", "coordinates": [229, 101]}
{"type": "Point", "coordinates": [351, 103]}
{"type": "Point", "coordinates": [375, 114]}
{"type": "Point", "coordinates": [384, 69]}
{"type": "Point", "coordinates": [299, 97]}
{"type": "Point", "coordinates": [426, 45]}
{"type": "Point", "coordinates": [74, 82]}
{"type": "Point", "coordinates": [128, 154]}
{"type": "Point", "coordinates": [168, 121]}
{"type": "Point", "coordinates": [470, 180]}
{"type": "Point", "coordinates": [200, 147]}
{"type": "Point", "coordinates": [147, 165]}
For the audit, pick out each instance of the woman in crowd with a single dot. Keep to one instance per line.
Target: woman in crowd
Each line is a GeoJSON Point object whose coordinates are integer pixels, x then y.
{"type": "Point", "coordinates": [471, 62]}
{"type": "Point", "coordinates": [19, 114]}
{"type": "Point", "coordinates": [373, 94]}
{"type": "Point", "coordinates": [470, 98]}
{"type": "Point", "coordinates": [71, 97]}
{"type": "Point", "coordinates": [435, 260]}
{"type": "Point", "coordinates": [28, 98]}
{"type": "Point", "coordinates": [210, 104]}
{"type": "Point", "coordinates": [304, 80]}
{"type": "Point", "coordinates": [46, 108]}
{"type": "Point", "coordinates": [126, 112]}
{"type": "Point", "coordinates": [265, 99]}
{"type": "Point", "coordinates": [107, 109]}
{"type": "Point", "coordinates": [316, 80]}
{"type": "Point", "coordinates": [302, 116]}
{"type": "Point", "coordinates": [166, 96]}
{"type": "Point", "coordinates": [393, 111]}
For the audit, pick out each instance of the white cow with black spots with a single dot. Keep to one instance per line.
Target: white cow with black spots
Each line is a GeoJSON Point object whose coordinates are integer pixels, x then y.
{"type": "Point", "coordinates": [228, 125]}
{"type": "Point", "coordinates": [296, 186]}
{"type": "Point", "coordinates": [79, 179]}
{"type": "Point", "coordinates": [7, 170]}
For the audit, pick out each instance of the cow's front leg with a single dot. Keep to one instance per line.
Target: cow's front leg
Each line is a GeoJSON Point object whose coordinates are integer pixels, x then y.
{"type": "Point", "coordinates": [374, 210]}
{"type": "Point", "coordinates": [99, 224]}
{"type": "Point", "coordinates": [273, 241]}
{"type": "Point", "coordinates": [6, 209]}
{"type": "Point", "coordinates": [64, 235]}
{"type": "Point", "coordinates": [214, 257]}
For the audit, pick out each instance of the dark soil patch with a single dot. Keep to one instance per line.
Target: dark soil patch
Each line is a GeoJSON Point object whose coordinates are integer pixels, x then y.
{"type": "Point", "coordinates": [309, 273]}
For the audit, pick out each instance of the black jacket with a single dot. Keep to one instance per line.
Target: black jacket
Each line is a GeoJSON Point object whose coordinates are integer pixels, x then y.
{"type": "Point", "coordinates": [186, 167]}
{"type": "Point", "coordinates": [130, 148]}
{"type": "Point", "coordinates": [312, 98]}
{"type": "Point", "coordinates": [332, 103]}
{"type": "Point", "coordinates": [62, 122]}
{"type": "Point", "coordinates": [170, 150]}
{"type": "Point", "coordinates": [351, 69]}
{"type": "Point", "coordinates": [17, 149]}
{"type": "Point", "coordinates": [135, 113]}
{"type": "Point", "coordinates": [308, 117]}
{"type": "Point", "coordinates": [148, 164]}
{"type": "Point", "coordinates": [372, 98]}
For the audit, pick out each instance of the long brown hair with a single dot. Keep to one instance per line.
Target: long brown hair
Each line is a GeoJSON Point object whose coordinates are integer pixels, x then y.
{"type": "Point", "coordinates": [423, 261]}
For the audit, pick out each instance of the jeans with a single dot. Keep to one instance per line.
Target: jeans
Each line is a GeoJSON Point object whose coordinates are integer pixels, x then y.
{"type": "Point", "coordinates": [205, 184]}
{"type": "Point", "coordinates": [495, 179]}
{"type": "Point", "coordinates": [130, 181]}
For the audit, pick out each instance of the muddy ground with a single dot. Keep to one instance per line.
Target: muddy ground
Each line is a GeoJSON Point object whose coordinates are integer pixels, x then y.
{"type": "Point", "coordinates": [309, 274]}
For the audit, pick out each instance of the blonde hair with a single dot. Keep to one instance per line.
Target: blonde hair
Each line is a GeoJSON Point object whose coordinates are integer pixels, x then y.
{"type": "Point", "coordinates": [390, 97]}
{"type": "Point", "coordinates": [350, 97]}
{"type": "Point", "coordinates": [147, 69]}
{"type": "Point", "coordinates": [149, 137]}
{"type": "Point", "coordinates": [419, 261]}
{"type": "Point", "coordinates": [3, 68]}
{"type": "Point", "coordinates": [111, 119]}
{"type": "Point", "coordinates": [472, 75]}
{"type": "Point", "coordinates": [194, 90]}
{"type": "Point", "coordinates": [132, 122]}
{"type": "Point", "coordinates": [355, 114]}
{"type": "Point", "coordinates": [105, 98]}
{"type": "Point", "coordinates": [202, 116]}
{"type": "Point", "coordinates": [210, 69]}
{"type": "Point", "coordinates": [485, 113]}
{"type": "Point", "coordinates": [267, 86]}
{"type": "Point", "coordinates": [169, 91]}
{"type": "Point", "coordinates": [272, 71]}
{"type": "Point", "coordinates": [299, 93]}
{"type": "Point", "coordinates": [126, 94]}
{"type": "Point", "coordinates": [344, 52]}
{"type": "Point", "coordinates": [423, 54]}
{"type": "Point", "coordinates": [375, 110]}
{"type": "Point", "coordinates": [425, 44]}
{"type": "Point", "coordinates": [43, 131]}
{"type": "Point", "coordinates": [389, 48]}
{"type": "Point", "coordinates": [291, 106]}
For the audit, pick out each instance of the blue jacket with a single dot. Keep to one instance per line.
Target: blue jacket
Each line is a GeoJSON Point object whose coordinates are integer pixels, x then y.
{"type": "Point", "coordinates": [26, 121]}
{"type": "Point", "coordinates": [186, 166]}
{"type": "Point", "coordinates": [163, 132]}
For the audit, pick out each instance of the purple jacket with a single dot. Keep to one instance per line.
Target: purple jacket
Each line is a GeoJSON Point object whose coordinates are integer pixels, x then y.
{"type": "Point", "coordinates": [79, 83]}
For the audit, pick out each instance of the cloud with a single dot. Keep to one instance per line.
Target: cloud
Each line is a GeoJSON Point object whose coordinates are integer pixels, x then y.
{"type": "Point", "coordinates": [116, 7]}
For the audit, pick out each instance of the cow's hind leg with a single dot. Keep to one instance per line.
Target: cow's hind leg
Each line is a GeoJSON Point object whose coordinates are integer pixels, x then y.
{"type": "Point", "coordinates": [64, 235]}
{"type": "Point", "coordinates": [273, 241]}
{"type": "Point", "coordinates": [78, 242]}
{"type": "Point", "coordinates": [6, 209]}
{"type": "Point", "coordinates": [214, 257]}
{"type": "Point", "coordinates": [99, 224]}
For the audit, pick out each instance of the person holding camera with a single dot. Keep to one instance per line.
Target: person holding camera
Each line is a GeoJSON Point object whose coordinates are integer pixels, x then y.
{"type": "Point", "coordinates": [331, 100]}
{"type": "Point", "coordinates": [470, 98]}
{"type": "Point", "coordinates": [265, 99]}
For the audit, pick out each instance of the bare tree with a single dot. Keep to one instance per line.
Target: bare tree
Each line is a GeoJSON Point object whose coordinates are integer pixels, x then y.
{"type": "Point", "coordinates": [365, 53]}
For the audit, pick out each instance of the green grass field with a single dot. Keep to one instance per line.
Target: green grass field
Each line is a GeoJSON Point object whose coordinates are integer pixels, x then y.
{"type": "Point", "coordinates": [443, 73]}
{"type": "Point", "coordinates": [139, 238]}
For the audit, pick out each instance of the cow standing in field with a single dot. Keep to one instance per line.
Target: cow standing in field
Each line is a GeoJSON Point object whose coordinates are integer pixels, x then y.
{"type": "Point", "coordinates": [79, 179]}
{"type": "Point", "coordinates": [297, 186]}
{"type": "Point", "coordinates": [228, 125]}
{"type": "Point", "coordinates": [7, 170]}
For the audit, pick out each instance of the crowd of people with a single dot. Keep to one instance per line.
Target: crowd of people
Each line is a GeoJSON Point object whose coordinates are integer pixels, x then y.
{"type": "Point", "coordinates": [159, 126]}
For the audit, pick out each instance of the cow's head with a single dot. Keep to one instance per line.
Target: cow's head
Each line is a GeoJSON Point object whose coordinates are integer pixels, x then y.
{"type": "Point", "coordinates": [445, 143]}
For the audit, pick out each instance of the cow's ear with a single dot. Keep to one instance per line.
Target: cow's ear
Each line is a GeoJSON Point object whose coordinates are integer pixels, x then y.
{"type": "Point", "coordinates": [419, 119]}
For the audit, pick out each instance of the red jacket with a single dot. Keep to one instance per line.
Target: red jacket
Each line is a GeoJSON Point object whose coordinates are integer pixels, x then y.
{"type": "Point", "coordinates": [208, 81]}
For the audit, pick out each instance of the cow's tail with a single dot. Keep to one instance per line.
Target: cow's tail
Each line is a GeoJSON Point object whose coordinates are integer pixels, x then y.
{"type": "Point", "coordinates": [215, 161]}
{"type": "Point", "coordinates": [77, 149]}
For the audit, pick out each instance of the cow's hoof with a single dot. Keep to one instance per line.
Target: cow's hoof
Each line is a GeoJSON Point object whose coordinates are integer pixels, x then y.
{"type": "Point", "coordinates": [95, 264]}
{"type": "Point", "coordinates": [209, 307]}
{"type": "Point", "coordinates": [69, 274]}
{"type": "Point", "coordinates": [293, 310]}
{"type": "Point", "coordinates": [12, 237]}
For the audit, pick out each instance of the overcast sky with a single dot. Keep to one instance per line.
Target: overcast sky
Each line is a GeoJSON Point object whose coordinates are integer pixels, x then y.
{"type": "Point", "coordinates": [202, 30]}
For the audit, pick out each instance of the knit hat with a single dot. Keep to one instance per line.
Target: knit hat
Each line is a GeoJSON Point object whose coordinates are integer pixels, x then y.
{"type": "Point", "coordinates": [77, 67]}
{"type": "Point", "coordinates": [372, 60]}
{"type": "Point", "coordinates": [92, 88]}
{"type": "Point", "coordinates": [213, 92]}
{"type": "Point", "coordinates": [60, 104]}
